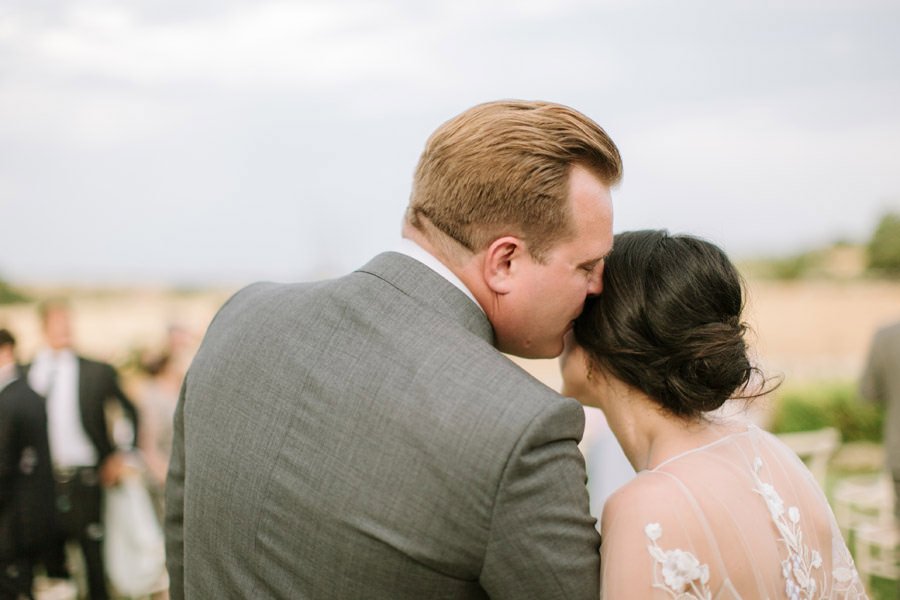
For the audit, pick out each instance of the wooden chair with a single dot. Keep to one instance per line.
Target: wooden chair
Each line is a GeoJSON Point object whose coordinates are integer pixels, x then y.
{"type": "Point", "coordinates": [877, 552]}
{"type": "Point", "coordinates": [815, 448]}
{"type": "Point", "coordinates": [863, 500]}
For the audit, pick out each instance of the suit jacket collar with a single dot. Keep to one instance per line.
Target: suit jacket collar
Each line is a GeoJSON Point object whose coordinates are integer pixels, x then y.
{"type": "Point", "coordinates": [418, 281]}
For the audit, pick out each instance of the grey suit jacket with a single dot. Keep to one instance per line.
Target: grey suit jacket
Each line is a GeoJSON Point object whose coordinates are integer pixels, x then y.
{"type": "Point", "coordinates": [881, 383]}
{"type": "Point", "coordinates": [362, 438]}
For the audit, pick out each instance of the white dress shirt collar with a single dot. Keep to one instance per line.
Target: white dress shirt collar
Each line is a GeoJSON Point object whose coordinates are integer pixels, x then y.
{"type": "Point", "coordinates": [44, 366]}
{"type": "Point", "coordinates": [417, 252]}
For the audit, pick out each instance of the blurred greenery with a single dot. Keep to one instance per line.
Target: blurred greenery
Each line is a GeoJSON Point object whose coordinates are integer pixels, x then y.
{"type": "Point", "coordinates": [786, 268]}
{"type": "Point", "coordinates": [810, 264]}
{"type": "Point", "coordinates": [794, 267]}
{"type": "Point", "coordinates": [828, 404]}
{"type": "Point", "coordinates": [10, 295]}
{"type": "Point", "coordinates": [883, 589]}
{"type": "Point", "coordinates": [884, 247]}
{"type": "Point", "coordinates": [878, 257]}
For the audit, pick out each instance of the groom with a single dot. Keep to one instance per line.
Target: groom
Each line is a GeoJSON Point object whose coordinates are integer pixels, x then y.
{"type": "Point", "coordinates": [364, 437]}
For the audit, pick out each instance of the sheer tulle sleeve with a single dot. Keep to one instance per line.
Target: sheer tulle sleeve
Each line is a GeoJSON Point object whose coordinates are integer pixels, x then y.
{"type": "Point", "coordinates": [652, 547]}
{"type": "Point", "coordinates": [740, 518]}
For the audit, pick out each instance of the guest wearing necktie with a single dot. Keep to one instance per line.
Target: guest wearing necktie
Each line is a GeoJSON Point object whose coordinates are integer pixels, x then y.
{"type": "Point", "coordinates": [84, 455]}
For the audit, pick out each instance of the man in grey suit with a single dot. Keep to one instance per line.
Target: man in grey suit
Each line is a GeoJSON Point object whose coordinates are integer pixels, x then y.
{"type": "Point", "coordinates": [365, 437]}
{"type": "Point", "coordinates": [880, 383]}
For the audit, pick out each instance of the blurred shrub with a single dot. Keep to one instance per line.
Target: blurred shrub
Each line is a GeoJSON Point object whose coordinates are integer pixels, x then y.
{"type": "Point", "coordinates": [794, 267]}
{"type": "Point", "coordinates": [884, 247]}
{"type": "Point", "coordinates": [831, 404]}
{"type": "Point", "coordinates": [9, 295]}
{"type": "Point", "coordinates": [803, 265]}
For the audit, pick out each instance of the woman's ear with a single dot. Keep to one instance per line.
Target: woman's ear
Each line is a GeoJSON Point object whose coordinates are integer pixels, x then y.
{"type": "Point", "coordinates": [501, 263]}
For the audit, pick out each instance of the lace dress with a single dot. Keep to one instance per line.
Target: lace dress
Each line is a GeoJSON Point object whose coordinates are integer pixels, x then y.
{"type": "Point", "coordinates": [741, 517]}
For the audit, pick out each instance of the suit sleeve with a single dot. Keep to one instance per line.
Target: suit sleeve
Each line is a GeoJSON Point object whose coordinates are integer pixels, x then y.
{"type": "Point", "coordinates": [174, 524]}
{"type": "Point", "coordinates": [542, 542]}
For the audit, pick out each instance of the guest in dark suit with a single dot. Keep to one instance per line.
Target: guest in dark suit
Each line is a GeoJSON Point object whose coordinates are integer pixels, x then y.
{"type": "Point", "coordinates": [26, 478]}
{"type": "Point", "coordinates": [365, 437]}
{"type": "Point", "coordinates": [84, 454]}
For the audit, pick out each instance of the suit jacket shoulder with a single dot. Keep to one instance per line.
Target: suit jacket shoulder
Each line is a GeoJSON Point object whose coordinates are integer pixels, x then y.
{"type": "Point", "coordinates": [384, 444]}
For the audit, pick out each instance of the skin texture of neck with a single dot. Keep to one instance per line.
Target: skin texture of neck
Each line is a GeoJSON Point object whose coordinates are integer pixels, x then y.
{"type": "Point", "coordinates": [648, 435]}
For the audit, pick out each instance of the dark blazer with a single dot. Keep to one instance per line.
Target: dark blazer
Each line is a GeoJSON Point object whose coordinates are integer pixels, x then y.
{"type": "Point", "coordinates": [98, 383]}
{"type": "Point", "coordinates": [363, 438]}
{"type": "Point", "coordinates": [26, 477]}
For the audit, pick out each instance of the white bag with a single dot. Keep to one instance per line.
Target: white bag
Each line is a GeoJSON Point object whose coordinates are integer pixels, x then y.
{"type": "Point", "coordinates": [134, 548]}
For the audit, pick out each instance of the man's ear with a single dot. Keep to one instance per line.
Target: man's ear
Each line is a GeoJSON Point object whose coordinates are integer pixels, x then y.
{"type": "Point", "coordinates": [501, 263]}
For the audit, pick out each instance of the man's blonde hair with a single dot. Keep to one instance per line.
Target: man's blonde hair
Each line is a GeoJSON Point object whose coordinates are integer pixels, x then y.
{"type": "Point", "coordinates": [503, 168]}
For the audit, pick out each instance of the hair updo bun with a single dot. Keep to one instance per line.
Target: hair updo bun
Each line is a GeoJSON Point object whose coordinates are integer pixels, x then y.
{"type": "Point", "coordinates": [669, 321]}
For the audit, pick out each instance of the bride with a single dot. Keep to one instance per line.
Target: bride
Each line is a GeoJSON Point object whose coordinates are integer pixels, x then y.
{"type": "Point", "coordinates": [719, 508]}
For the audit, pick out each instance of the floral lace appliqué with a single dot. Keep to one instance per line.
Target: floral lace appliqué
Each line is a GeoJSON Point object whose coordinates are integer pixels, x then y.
{"type": "Point", "coordinates": [683, 577]}
{"type": "Point", "coordinates": [799, 568]}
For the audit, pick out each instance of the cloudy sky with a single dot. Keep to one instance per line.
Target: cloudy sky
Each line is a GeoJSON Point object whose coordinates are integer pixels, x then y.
{"type": "Point", "coordinates": [223, 141]}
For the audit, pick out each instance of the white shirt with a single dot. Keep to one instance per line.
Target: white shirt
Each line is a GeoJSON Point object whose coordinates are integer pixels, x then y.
{"type": "Point", "coordinates": [54, 375]}
{"type": "Point", "coordinates": [417, 252]}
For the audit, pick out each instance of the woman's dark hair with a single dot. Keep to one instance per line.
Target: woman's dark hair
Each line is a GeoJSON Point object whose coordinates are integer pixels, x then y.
{"type": "Point", "coordinates": [669, 322]}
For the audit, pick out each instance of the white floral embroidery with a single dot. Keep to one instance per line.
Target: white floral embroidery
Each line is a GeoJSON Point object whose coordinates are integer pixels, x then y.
{"type": "Point", "coordinates": [798, 569]}
{"type": "Point", "coordinates": [683, 575]}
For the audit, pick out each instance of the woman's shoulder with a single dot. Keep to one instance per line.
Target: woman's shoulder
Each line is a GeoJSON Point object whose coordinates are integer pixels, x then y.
{"type": "Point", "coordinates": [653, 541]}
{"type": "Point", "coordinates": [644, 483]}
{"type": "Point", "coordinates": [650, 496]}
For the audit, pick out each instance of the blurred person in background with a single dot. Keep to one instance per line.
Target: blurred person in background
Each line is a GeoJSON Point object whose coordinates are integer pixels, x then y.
{"type": "Point", "coordinates": [84, 456]}
{"type": "Point", "coordinates": [365, 437]}
{"type": "Point", "coordinates": [159, 396]}
{"type": "Point", "coordinates": [26, 479]}
{"type": "Point", "coordinates": [880, 383]}
{"type": "Point", "coordinates": [719, 508]}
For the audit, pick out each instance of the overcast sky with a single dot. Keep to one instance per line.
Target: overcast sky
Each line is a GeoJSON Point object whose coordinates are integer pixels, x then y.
{"type": "Point", "coordinates": [224, 141]}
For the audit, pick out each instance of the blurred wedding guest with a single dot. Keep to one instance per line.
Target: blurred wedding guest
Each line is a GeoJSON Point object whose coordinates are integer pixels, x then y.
{"type": "Point", "coordinates": [157, 405]}
{"type": "Point", "coordinates": [719, 508]}
{"type": "Point", "coordinates": [366, 437]}
{"type": "Point", "coordinates": [880, 383]}
{"type": "Point", "coordinates": [26, 479]}
{"type": "Point", "coordinates": [84, 456]}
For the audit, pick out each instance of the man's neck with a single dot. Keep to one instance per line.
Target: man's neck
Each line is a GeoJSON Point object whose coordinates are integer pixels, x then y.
{"type": "Point", "coordinates": [414, 250]}
{"type": "Point", "coordinates": [435, 243]}
{"type": "Point", "coordinates": [465, 266]}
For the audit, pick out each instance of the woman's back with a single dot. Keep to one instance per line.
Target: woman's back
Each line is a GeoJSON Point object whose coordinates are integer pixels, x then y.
{"type": "Point", "coordinates": [739, 518]}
